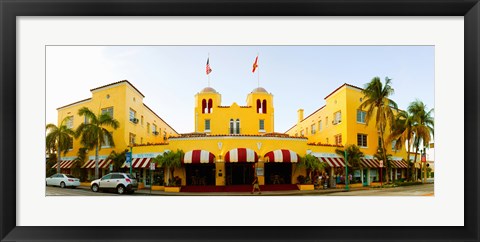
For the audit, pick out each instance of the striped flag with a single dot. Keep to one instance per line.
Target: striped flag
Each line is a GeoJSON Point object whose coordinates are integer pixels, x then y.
{"type": "Point", "coordinates": [208, 69]}
{"type": "Point", "coordinates": [255, 65]}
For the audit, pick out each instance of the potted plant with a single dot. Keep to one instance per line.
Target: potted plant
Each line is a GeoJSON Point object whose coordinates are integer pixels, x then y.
{"type": "Point", "coordinates": [169, 161]}
{"type": "Point", "coordinates": [312, 165]}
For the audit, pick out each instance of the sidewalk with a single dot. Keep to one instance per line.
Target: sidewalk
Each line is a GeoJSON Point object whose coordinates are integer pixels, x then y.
{"type": "Point", "coordinates": [147, 192]}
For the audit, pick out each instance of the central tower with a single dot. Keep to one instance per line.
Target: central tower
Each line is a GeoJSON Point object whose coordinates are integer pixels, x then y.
{"type": "Point", "coordinates": [253, 119]}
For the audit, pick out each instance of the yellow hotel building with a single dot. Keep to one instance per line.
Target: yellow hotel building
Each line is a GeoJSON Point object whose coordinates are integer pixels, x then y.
{"type": "Point", "coordinates": [230, 144]}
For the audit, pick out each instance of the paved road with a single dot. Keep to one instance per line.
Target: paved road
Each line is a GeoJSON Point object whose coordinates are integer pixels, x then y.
{"type": "Point", "coordinates": [417, 190]}
{"type": "Point", "coordinates": [57, 191]}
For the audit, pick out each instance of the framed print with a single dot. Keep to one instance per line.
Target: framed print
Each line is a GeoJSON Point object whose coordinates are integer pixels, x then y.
{"type": "Point", "coordinates": [38, 37]}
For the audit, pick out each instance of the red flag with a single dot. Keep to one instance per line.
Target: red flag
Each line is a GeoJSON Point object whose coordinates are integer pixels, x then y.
{"type": "Point", "coordinates": [255, 65]}
{"type": "Point", "coordinates": [208, 69]}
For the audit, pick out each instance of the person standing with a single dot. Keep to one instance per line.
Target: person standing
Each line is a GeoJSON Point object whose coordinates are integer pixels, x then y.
{"type": "Point", "coordinates": [255, 185]}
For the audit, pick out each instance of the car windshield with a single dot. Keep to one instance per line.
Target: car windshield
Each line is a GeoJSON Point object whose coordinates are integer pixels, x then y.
{"type": "Point", "coordinates": [129, 176]}
{"type": "Point", "coordinates": [70, 176]}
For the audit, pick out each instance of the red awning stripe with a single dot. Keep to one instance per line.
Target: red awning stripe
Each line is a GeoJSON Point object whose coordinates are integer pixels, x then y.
{"type": "Point", "coordinates": [370, 163]}
{"type": "Point", "coordinates": [282, 156]}
{"type": "Point", "coordinates": [241, 155]}
{"type": "Point", "coordinates": [399, 164]}
{"type": "Point", "coordinates": [198, 157]}
{"type": "Point", "coordinates": [64, 164]}
{"type": "Point", "coordinates": [333, 161]}
{"type": "Point", "coordinates": [67, 164]}
{"type": "Point", "coordinates": [102, 164]}
{"type": "Point", "coordinates": [88, 163]}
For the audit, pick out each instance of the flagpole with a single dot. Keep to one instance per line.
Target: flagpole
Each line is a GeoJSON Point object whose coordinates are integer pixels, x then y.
{"type": "Point", "coordinates": [208, 75]}
{"type": "Point", "coordinates": [258, 73]}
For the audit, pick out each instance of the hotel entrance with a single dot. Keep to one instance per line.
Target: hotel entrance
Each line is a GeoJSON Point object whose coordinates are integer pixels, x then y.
{"type": "Point", "coordinates": [240, 173]}
{"type": "Point", "coordinates": [200, 174]}
{"type": "Point", "coordinates": [278, 173]}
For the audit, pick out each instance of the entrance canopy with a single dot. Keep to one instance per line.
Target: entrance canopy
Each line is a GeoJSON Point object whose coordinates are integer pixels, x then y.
{"type": "Point", "coordinates": [198, 157]}
{"type": "Point", "coordinates": [399, 164]}
{"type": "Point", "coordinates": [139, 163]}
{"type": "Point", "coordinates": [282, 156]}
{"type": "Point", "coordinates": [102, 164]}
{"type": "Point", "coordinates": [370, 163]}
{"type": "Point", "coordinates": [65, 164]}
{"type": "Point", "coordinates": [241, 155]}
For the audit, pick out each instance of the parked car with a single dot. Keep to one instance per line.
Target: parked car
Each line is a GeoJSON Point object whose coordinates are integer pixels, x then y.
{"type": "Point", "coordinates": [62, 180]}
{"type": "Point", "coordinates": [118, 182]}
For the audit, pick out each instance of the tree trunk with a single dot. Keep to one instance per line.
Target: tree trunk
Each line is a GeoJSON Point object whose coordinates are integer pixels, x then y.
{"type": "Point", "coordinates": [415, 161]}
{"type": "Point", "coordinates": [408, 159]}
{"type": "Point", "coordinates": [385, 155]}
{"type": "Point", "coordinates": [96, 162]}
{"type": "Point", "coordinates": [58, 158]}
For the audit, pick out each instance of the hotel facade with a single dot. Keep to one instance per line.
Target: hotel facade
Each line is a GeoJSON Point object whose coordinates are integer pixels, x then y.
{"type": "Point", "coordinates": [231, 144]}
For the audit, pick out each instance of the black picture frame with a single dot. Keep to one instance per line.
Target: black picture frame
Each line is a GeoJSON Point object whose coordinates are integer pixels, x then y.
{"type": "Point", "coordinates": [10, 9]}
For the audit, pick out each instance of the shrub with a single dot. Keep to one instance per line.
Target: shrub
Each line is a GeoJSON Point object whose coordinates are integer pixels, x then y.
{"type": "Point", "coordinates": [301, 179]}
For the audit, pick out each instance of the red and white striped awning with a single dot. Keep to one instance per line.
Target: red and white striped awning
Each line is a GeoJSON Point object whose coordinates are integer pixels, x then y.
{"type": "Point", "coordinates": [198, 157]}
{"type": "Point", "coordinates": [65, 164]}
{"type": "Point", "coordinates": [282, 156]}
{"type": "Point", "coordinates": [370, 163]}
{"type": "Point", "coordinates": [399, 164]}
{"type": "Point", "coordinates": [102, 164]}
{"type": "Point", "coordinates": [241, 155]}
{"type": "Point", "coordinates": [333, 161]}
{"type": "Point", "coordinates": [139, 163]}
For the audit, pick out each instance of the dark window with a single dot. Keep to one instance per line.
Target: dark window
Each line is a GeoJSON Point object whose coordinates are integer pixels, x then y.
{"type": "Point", "coordinates": [362, 140]}
{"type": "Point", "coordinates": [109, 176]}
{"type": "Point", "coordinates": [207, 124]}
{"type": "Point", "coordinates": [210, 105]}
{"type": "Point", "coordinates": [204, 105]}
{"type": "Point", "coordinates": [261, 124]}
{"type": "Point", "coordinates": [264, 106]}
{"type": "Point", "coordinates": [117, 176]}
{"type": "Point", "coordinates": [259, 105]}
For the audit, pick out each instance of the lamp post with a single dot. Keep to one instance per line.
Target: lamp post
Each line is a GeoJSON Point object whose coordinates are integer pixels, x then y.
{"type": "Point", "coordinates": [346, 171]}
{"type": "Point", "coordinates": [131, 156]}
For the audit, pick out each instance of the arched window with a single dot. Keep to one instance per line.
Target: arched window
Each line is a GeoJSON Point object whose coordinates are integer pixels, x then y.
{"type": "Point", "coordinates": [232, 124]}
{"type": "Point", "coordinates": [204, 105]}
{"type": "Point", "coordinates": [264, 106]}
{"type": "Point", "coordinates": [259, 105]}
{"type": "Point", "coordinates": [210, 105]}
{"type": "Point", "coordinates": [237, 126]}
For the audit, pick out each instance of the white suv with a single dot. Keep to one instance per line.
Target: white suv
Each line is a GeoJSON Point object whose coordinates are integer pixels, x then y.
{"type": "Point", "coordinates": [119, 182]}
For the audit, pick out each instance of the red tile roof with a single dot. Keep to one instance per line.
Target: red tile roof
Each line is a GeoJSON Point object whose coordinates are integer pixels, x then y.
{"type": "Point", "coordinates": [74, 103]}
{"type": "Point", "coordinates": [123, 81]}
{"type": "Point", "coordinates": [345, 84]}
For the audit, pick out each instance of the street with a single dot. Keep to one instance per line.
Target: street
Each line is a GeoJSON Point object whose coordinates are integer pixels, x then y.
{"type": "Point", "coordinates": [80, 191]}
{"type": "Point", "coordinates": [416, 190]}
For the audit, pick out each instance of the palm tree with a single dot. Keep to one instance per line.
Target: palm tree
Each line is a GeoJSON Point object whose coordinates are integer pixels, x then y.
{"type": "Point", "coordinates": [93, 133]}
{"type": "Point", "coordinates": [378, 104]}
{"type": "Point", "coordinates": [118, 159]}
{"type": "Point", "coordinates": [353, 156]}
{"type": "Point", "coordinates": [59, 139]}
{"type": "Point", "coordinates": [403, 132]}
{"type": "Point", "coordinates": [169, 161]}
{"type": "Point", "coordinates": [311, 164]}
{"type": "Point", "coordinates": [388, 162]}
{"type": "Point", "coordinates": [423, 124]}
{"type": "Point", "coordinates": [79, 161]}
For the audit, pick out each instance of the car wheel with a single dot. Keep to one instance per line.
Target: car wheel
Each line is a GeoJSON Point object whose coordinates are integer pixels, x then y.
{"type": "Point", "coordinates": [120, 189]}
{"type": "Point", "coordinates": [62, 184]}
{"type": "Point", "coordinates": [95, 187]}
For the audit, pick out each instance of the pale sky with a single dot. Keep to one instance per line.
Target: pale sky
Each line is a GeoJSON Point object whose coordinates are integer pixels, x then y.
{"type": "Point", "coordinates": [297, 76]}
